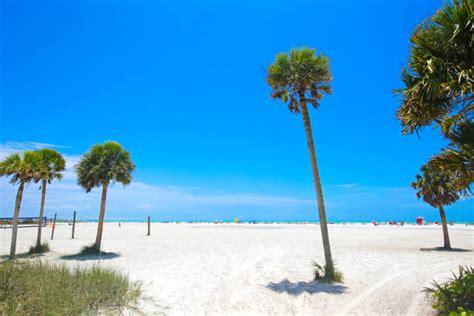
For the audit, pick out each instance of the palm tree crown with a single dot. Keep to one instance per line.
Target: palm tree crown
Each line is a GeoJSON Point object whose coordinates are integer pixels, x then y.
{"type": "Point", "coordinates": [20, 167]}
{"type": "Point", "coordinates": [50, 165]}
{"type": "Point", "coordinates": [103, 164]}
{"type": "Point", "coordinates": [299, 75]}
{"type": "Point", "coordinates": [435, 187]}
{"type": "Point", "coordinates": [439, 76]}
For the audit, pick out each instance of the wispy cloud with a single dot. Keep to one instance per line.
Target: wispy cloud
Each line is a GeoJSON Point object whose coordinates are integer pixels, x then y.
{"type": "Point", "coordinates": [344, 201]}
{"type": "Point", "coordinates": [139, 196]}
{"type": "Point", "coordinates": [11, 147]}
{"type": "Point", "coordinates": [347, 185]}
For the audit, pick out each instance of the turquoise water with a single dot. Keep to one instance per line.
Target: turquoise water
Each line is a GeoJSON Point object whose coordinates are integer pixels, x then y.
{"type": "Point", "coordinates": [251, 222]}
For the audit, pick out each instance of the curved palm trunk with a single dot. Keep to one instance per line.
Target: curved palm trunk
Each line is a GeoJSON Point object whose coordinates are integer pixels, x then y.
{"type": "Point", "coordinates": [447, 243]}
{"type": "Point", "coordinates": [19, 195]}
{"type": "Point", "coordinates": [319, 191]}
{"type": "Point", "coordinates": [41, 213]}
{"type": "Point", "coordinates": [100, 226]}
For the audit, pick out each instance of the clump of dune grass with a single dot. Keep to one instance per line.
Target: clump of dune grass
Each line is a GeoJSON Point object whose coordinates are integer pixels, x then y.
{"type": "Point", "coordinates": [319, 273]}
{"type": "Point", "coordinates": [41, 248]}
{"type": "Point", "coordinates": [36, 288]}
{"type": "Point", "coordinates": [90, 250]}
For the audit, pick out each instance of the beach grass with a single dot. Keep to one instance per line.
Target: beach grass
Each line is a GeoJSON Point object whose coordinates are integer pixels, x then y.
{"type": "Point", "coordinates": [319, 273]}
{"type": "Point", "coordinates": [37, 249]}
{"type": "Point", "coordinates": [90, 250]}
{"type": "Point", "coordinates": [37, 288]}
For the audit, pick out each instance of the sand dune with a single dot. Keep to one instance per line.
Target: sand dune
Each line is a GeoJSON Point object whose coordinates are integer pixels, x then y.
{"type": "Point", "coordinates": [222, 269]}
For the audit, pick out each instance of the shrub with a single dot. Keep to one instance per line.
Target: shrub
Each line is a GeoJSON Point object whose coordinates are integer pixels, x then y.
{"type": "Point", "coordinates": [320, 274]}
{"type": "Point", "coordinates": [90, 250]}
{"type": "Point", "coordinates": [36, 288]}
{"type": "Point", "coordinates": [456, 296]}
{"type": "Point", "coordinates": [42, 248]}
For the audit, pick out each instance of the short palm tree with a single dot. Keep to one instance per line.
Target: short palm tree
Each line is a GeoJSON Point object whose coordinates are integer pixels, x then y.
{"type": "Point", "coordinates": [458, 158]}
{"type": "Point", "coordinates": [102, 165]}
{"type": "Point", "coordinates": [50, 166]}
{"type": "Point", "coordinates": [20, 167]}
{"type": "Point", "coordinates": [300, 78]}
{"type": "Point", "coordinates": [437, 188]}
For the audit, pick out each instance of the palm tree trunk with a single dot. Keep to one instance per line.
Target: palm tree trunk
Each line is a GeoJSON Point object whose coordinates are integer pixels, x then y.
{"type": "Point", "coordinates": [100, 226]}
{"type": "Point", "coordinates": [447, 243]}
{"type": "Point", "coordinates": [319, 191]}
{"type": "Point", "coordinates": [19, 195]}
{"type": "Point", "coordinates": [41, 213]}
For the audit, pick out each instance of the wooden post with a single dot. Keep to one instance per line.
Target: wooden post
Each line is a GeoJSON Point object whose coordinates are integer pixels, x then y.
{"type": "Point", "coordinates": [148, 226]}
{"type": "Point", "coordinates": [73, 224]}
{"type": "Point", "coordinates": [54, 226]}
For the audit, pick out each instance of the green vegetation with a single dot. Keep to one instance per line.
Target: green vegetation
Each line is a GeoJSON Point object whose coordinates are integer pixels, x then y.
{"type": "Point", "coordinates": [439, 75]}
{"type": "Point", "coordinates": [320, 274]}
{"type": "Point", "coordinates": [49, 167]}
{"type": "Point", "coordinates": [20, 167]}
{"type": "Point", "coordinates": [102, 165]}
{"type": "Point", "coordinates": [456, 296]}
{"type": "Point", "coordinates": [35, 288]}
{"type": "Point", "coordinates": [300, 78]}
{"type": "Point", "coordinates": [437, 188]}
{"type": "Point", "coordinates": [90, 250]}
{"type": "Point", "coordinates": [458, 158]}
{"type": "Point", "coordinates": [438, 88]}
{"type": "Point", "coordinates": [41, 248]}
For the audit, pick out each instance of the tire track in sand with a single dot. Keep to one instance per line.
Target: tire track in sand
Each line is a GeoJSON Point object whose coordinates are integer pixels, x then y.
{"type": "Point", "coordinates": [370, 292]}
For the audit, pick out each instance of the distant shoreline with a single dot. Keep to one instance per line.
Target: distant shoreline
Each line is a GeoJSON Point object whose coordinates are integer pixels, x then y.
{"type": "Point", "coordinates": [262, 222]}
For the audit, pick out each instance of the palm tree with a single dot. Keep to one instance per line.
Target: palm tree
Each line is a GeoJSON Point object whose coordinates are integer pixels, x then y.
{"type": "Point", "coordinates": [300, 78]}
{"type": "Point", "coordinates": [50, 166]}
{"type": "Point", "coordinates": [439, 75]}
{"type": "Point", "coordinates": [438, 189]}
{"type": "Point", "coordinates": [20, 167]}
{"type": "Point", "coordinates": [102, 165]}
{"type": "Point", "coordinates": [458, 157]}
{"type": "Point", "coordinates": [439, 84]}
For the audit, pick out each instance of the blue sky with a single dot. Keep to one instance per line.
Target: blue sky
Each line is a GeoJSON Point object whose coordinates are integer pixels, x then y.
{"type": "Point", "coordinates": [181, 85]}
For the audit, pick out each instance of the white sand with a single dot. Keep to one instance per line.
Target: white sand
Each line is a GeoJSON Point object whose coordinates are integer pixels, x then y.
{"type": "Point", "coordinates": [197, 269]}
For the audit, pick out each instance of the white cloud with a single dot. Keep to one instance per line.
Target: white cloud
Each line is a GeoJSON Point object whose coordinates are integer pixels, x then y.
{"type": "Point", "coordinates": [347, 185]}
{"type": "Point", "coordinates": [344, 201]}
{"type": "Point", "coordinates": [9, 147]}
{"type": "Point", "coordinates": [67, 195]}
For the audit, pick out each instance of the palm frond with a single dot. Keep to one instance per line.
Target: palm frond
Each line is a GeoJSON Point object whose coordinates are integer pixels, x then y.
{"type": "Point", "coordinates": [297, 75]}
{"type": "Point", "coordinates": [103, 164]}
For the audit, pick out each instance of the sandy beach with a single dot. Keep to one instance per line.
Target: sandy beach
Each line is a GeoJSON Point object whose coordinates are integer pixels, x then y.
{"type": "Point", "coordinates": [212, 269]}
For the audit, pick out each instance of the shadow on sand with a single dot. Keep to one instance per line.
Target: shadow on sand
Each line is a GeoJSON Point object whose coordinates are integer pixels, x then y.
{"type": "Point", "coordinates": [25, 255]}
{"type": "Point", "coordinates": [99, 256]}
{"type": "Point", "coordinates": [446, 249]}
{"type": "Point", "coordinates": [298, 288]}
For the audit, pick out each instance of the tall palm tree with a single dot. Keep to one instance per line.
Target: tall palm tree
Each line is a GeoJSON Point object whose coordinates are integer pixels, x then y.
{"type": "Point", "coordinates": [50, 166]}
{"type": "Point", "coordinates": [437, 188]}
{"type": "Point", "coordinates": [439, 85]}
{"type": "Point", "coordinates": [300, 78]}
{"type": "Point", "coordinates": [20, 167]}
{"type": "Point", "coordinates": [439, 76]}
{"type": "Point", "coordinates": [102, 165]}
